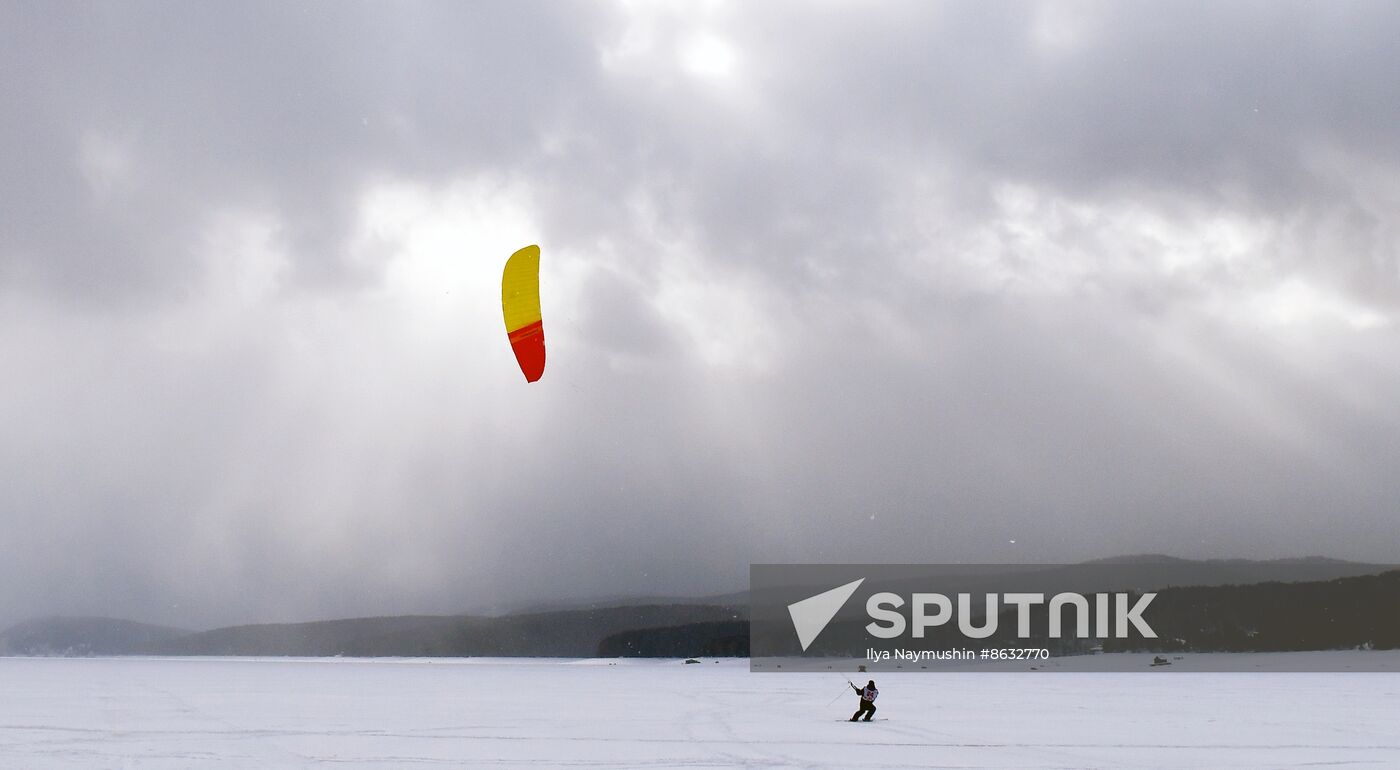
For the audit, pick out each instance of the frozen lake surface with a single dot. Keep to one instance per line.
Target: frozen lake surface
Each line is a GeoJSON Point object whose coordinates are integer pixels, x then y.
{"type": "Point", "coordinates": [277, 713]}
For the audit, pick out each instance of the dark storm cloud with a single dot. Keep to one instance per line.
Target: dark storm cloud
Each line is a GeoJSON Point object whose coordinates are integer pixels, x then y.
{"type": "Point", "coordinates": [822, 282]}
{"type": "Point", "coordinates": [287, 105]}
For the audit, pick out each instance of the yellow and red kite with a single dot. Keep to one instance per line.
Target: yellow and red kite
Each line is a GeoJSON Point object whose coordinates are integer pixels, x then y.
{"type": "Point", "coordinates": [520, 302]}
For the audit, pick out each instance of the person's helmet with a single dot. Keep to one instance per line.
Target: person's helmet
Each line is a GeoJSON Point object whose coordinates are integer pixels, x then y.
{"type": "Point", "coordinates": [872, 683]}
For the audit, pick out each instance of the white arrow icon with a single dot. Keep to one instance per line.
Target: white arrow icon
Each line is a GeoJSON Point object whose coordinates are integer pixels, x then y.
{"type": "Point", "coordinates": [811, 615]}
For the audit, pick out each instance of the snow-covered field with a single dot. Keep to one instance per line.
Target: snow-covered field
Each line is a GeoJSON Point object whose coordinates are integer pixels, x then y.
{"type": "Point", "coordinates": [273, 713]}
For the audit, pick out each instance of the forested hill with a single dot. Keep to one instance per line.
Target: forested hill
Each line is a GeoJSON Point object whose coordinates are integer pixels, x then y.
{"type": "Point", "coordinates": [83, 636]}
{"type": "Point", "coordinates": [567, 633]}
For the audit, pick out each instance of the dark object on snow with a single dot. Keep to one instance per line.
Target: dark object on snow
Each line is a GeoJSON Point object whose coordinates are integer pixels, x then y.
{"type": "Point", "coordinates": [691, 660]}
{"type": "Point", "coordinates": [867, 701]}
{"type": "Point", "coordinates": [1158, 660]}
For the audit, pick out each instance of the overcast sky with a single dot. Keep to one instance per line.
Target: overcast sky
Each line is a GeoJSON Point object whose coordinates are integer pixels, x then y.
{"type": "Point", "coordinates": [824, 281]}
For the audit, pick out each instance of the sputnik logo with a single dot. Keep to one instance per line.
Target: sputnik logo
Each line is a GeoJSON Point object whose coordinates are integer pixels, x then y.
{"type": "Point", "coordinates": [811, 615]}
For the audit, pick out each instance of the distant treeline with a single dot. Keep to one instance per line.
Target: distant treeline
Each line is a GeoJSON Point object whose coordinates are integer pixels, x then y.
{"type": "Point", "coordinates": [1341, 613]}
{"type": "Point", "coordinates": [723, 639]}
{"type": "Point", "coordinates": [564, 633]}
{"type": "Point", "coordinates": [1345, 613]}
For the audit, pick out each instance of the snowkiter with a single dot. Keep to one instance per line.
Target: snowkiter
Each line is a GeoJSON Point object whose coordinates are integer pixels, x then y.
{"type": "Point", "coordinates": [867, 700]}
